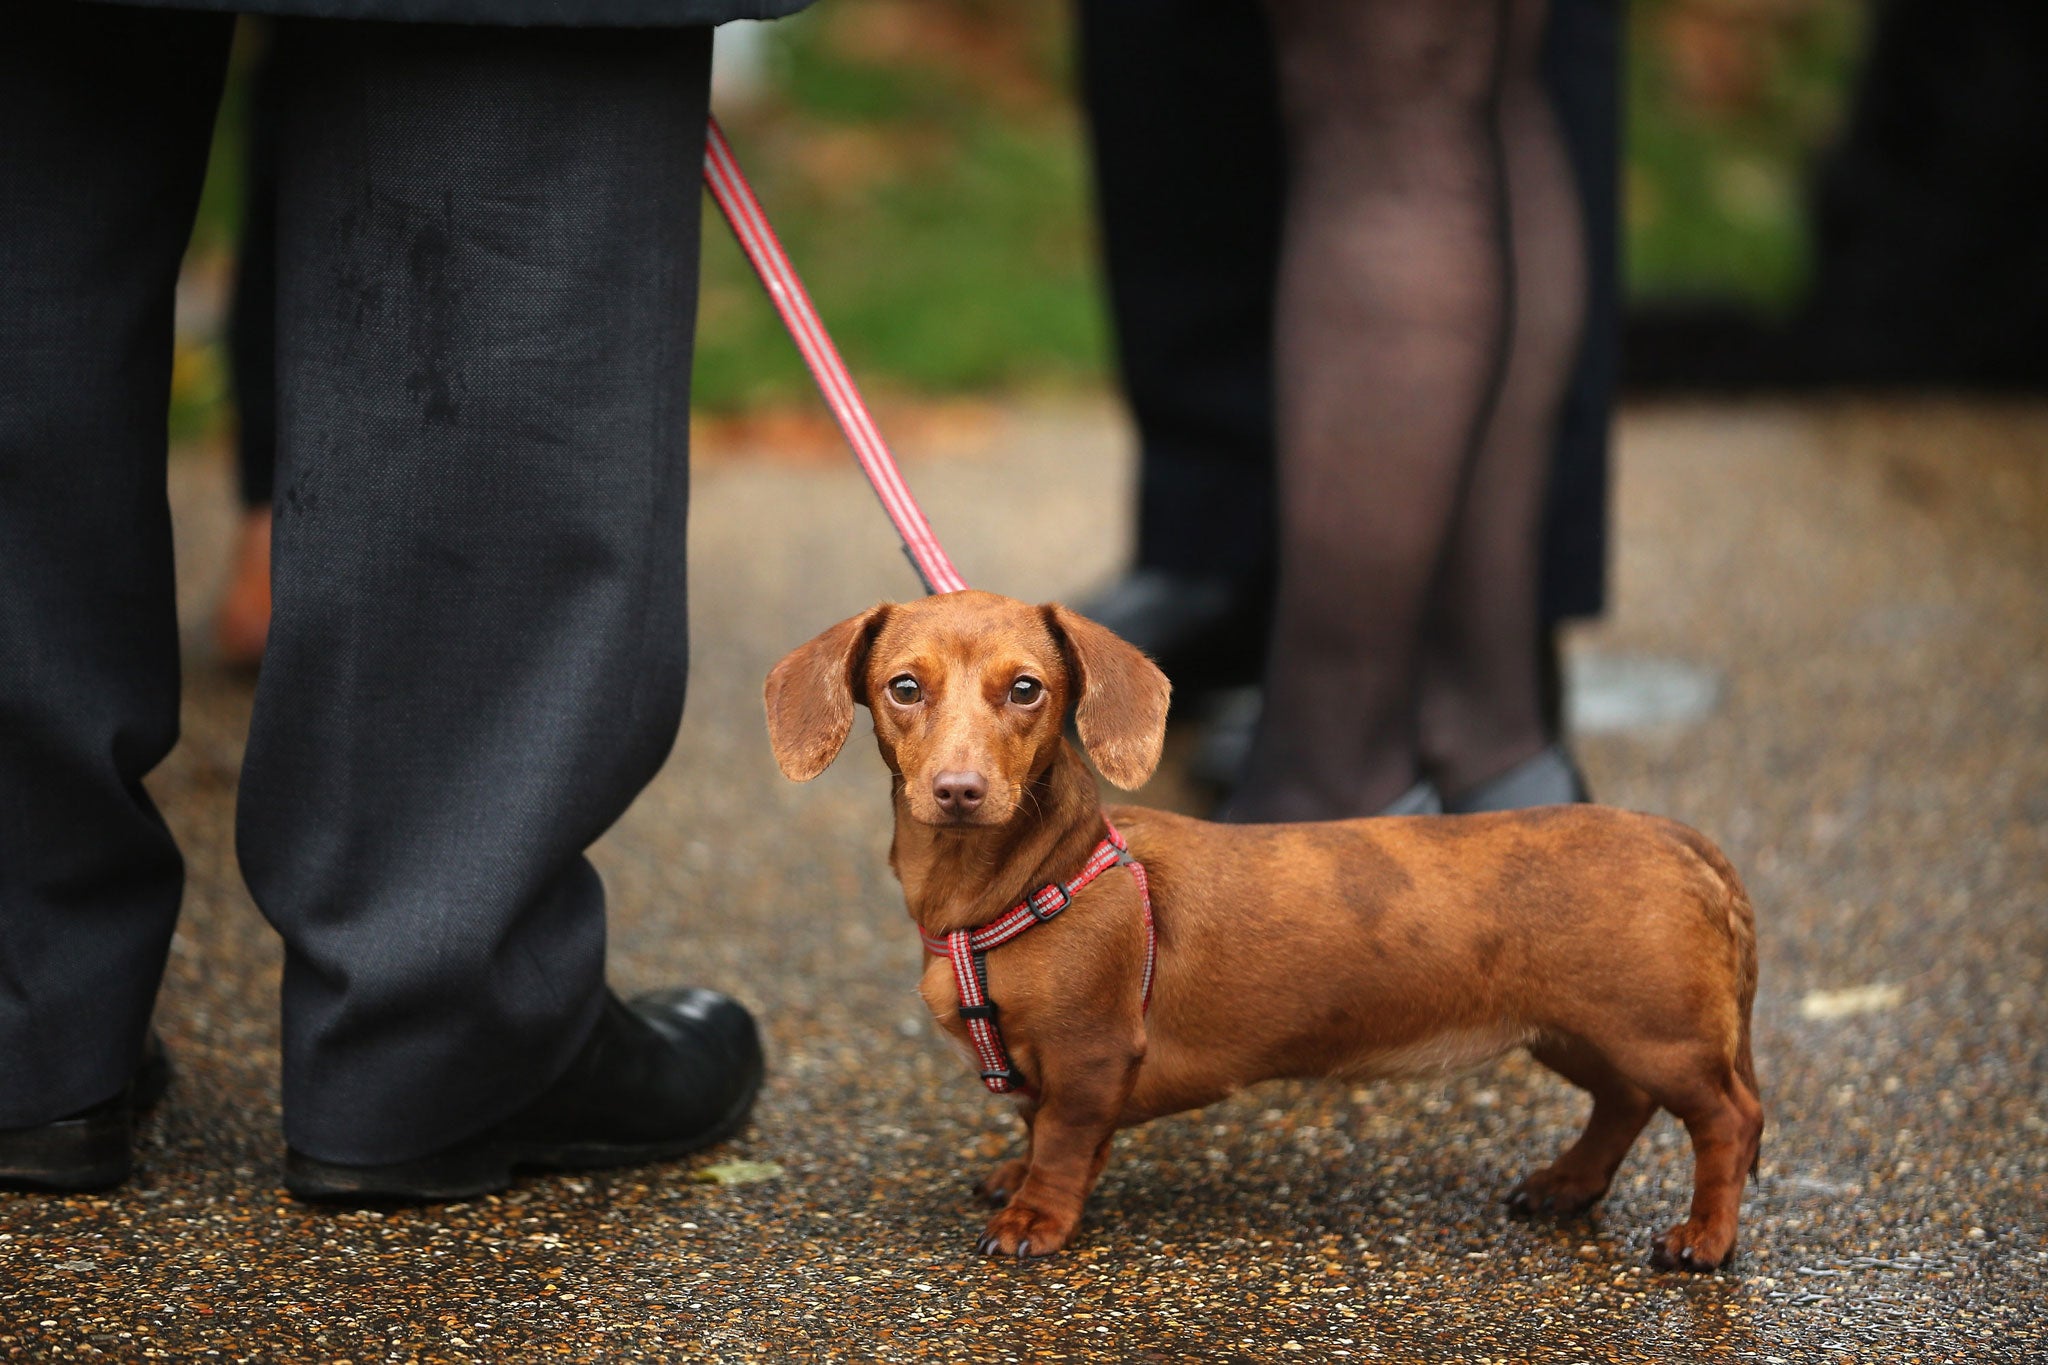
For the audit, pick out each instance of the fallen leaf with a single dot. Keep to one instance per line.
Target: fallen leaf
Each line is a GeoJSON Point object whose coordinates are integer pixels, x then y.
{"type": "Point", "coordinates": [1852, 1000]}
{"type": "Point", "coordinates": [737, 1172]}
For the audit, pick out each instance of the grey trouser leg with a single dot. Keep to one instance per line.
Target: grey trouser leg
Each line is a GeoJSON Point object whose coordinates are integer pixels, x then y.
{"type": "Point", "coordinates": [487, 270]}
{"type": "Point", "coordinates": [105, 115]}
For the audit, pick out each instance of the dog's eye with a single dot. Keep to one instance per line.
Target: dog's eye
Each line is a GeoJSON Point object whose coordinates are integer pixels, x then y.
{"type": "Point", "coordinates": [1026, 691]}
{"type": "Point", "coordinates": [904, 691]}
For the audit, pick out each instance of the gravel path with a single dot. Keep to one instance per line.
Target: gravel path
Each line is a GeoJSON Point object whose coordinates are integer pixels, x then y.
{"type": "Point", "coordinates": [1864, 585]}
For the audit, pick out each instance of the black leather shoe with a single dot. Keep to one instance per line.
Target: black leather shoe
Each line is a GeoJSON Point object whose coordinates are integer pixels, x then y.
{"type": "Point", "coordinates": [1205, 633]}
{"type": "Point", "coordinates": [673, 1071]}
{"type": "Point", "coordinates": [92, 1149]}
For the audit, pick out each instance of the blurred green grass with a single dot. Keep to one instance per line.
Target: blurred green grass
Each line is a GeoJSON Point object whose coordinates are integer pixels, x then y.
{"type": "Point", "coordinates": [1727, 100]}
{"type": "Point", "coordinates": [924, 163]}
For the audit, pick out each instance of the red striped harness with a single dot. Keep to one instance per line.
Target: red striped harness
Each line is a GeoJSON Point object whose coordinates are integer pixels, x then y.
{"type": "Point", "coordinates": [968, 949]}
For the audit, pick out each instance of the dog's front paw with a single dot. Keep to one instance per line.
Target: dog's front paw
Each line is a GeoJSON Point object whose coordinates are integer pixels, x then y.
{"type": "Point", "coordinates": [1004, 1181]}
{"type": "Point", "coordinates": [1694, 1245]}
{"type": "Point", "coordinates": [1023, 1232]}
{"type": "Point", "coordinates": [1551, 1193]}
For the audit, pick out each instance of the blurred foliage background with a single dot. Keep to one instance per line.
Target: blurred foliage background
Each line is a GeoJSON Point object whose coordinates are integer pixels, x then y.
{"type": "Point", "coordinates": [924, 162]}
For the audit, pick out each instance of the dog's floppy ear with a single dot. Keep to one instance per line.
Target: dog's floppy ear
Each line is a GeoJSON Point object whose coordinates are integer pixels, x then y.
{"type": "Point", "coordinates": [810, 695]}
{"type": "Point", "coordinates": [1120, 697]}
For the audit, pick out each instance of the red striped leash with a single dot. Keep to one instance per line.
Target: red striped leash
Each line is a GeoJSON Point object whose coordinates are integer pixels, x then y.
{"type": "Point", "coordinates": [735, 198]}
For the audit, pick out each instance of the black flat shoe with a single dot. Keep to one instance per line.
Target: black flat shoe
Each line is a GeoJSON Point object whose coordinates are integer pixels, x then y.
{"type": "Point", "coordinates": [92, 1149]}
{"type": "Point", "coordinates": [1231, 723]}
{"type": "Point", "coordinates": [1204, 633]}
{"type": "Point", "coordinates": [1548, 779]}
{"type": "Point", "coordinates": [670, 1073]}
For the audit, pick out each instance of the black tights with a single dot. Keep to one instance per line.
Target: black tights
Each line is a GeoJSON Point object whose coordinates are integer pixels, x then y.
{"type": "Point", "coordinates": [1425, 333]}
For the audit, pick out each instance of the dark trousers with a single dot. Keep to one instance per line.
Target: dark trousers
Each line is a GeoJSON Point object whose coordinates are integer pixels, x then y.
{"type": "Point", "coordinates": [1183, 112]}
{"type": "Point", "coordinates": [487, 260]}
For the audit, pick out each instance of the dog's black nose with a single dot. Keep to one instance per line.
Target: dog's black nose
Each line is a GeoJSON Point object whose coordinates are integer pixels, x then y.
{"type": "Point", "coordinates": [959, 793]}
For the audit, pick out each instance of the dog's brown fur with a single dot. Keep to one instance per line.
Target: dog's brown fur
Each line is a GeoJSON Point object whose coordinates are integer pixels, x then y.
{"type": "Point", "coordinates": [1619, 949]}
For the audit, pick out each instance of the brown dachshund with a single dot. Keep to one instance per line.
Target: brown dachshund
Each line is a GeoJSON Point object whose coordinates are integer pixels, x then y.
{"type": "Point", "coordinates": [1619, 949]}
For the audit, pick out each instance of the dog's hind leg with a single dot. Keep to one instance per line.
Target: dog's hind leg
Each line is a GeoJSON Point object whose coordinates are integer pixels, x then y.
{"type": "Point", "coordinates": [1706, 1089]}
{"type": "Point", "coordinates": [1580, 1176]}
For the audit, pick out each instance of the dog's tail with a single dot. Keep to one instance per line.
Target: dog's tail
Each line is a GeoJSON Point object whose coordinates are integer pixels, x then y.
{"type": "Point", "coordinates": [1741, 919]}
{"type": "Point", "coordinates": [1745, 1067]}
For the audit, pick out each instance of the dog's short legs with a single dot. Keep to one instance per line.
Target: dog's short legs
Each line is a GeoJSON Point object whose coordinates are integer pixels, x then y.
{"type": "Point", "coordinates": [1725, 1121]}
{"type": "Point", "coordinates": [1070, 1138]}
{"type": "Point", "coordinates": [1723, 1141]}
{"type": "Point", "coordinates": [1575, 1181]}
{"type": "Point", "coordinates": [1044, 1213]}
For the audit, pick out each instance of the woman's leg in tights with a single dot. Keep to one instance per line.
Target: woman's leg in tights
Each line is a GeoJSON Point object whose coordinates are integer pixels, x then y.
{"type": "Point", "coordinates": [1390, 346]}
{"type": "Point", "coordinates": [1480, 706]}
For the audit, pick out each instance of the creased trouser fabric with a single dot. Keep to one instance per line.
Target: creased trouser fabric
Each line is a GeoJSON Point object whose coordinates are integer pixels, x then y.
{"type": "Point", "coordinates": [487, 251]}
{"type": "Point", "coordinates": [104, 119]}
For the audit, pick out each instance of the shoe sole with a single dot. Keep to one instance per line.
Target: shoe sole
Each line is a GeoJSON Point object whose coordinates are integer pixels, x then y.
{"type": "Point", "coordinates": [452, 1177]}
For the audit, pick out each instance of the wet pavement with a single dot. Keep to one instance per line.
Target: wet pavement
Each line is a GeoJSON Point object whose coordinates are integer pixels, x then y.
{"type": "Point", "coordinates": [1863, 588]}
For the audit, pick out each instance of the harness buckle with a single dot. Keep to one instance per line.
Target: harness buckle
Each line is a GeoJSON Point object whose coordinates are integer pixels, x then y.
{"type": "Point", "coordinates": [1066, 899]}
{"type": "Point", "coordinates": [1010, 1076]}
{"type": "Point", "coordinates": [973, 1012]}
